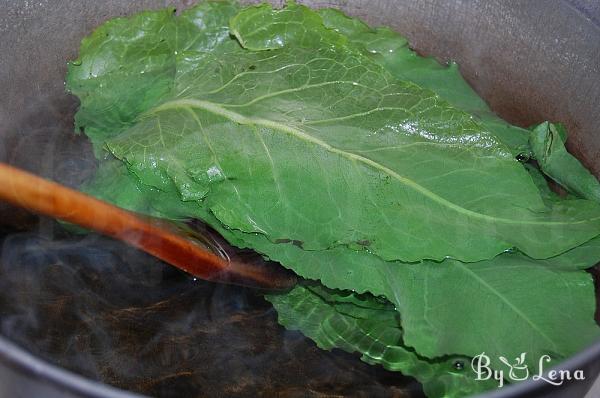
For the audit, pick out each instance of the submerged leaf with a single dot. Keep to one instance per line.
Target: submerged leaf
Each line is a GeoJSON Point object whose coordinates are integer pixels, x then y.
{"type": "Point", "coordinates": [373, 330]}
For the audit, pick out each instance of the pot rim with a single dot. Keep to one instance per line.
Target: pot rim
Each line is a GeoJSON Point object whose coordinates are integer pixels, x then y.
{"type": "Point", "coordinates": [20, 360]}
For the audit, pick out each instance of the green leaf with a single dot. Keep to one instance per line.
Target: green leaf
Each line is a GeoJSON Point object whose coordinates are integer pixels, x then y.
{"type": "Point", "coordinates": [114, 183]}
{"type": "Point", "coordinates": [364, 325]}
{"type": "Point", "coordinates": [547, 143]}
{"type": "Point", "coordinates": [127, 65]}
{"type": "Point", "coordinates": [393, 52]}
{"type": "Point", "coordinates": [317, 143]}
{"type": "Point", "coordinates": [530, 313]}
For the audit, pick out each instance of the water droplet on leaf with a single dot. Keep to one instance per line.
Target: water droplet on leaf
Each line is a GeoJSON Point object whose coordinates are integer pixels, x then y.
{"type": "Point", "coordinates": [458, 365]}
{"type": "Point", "coordinates": [215, 174]}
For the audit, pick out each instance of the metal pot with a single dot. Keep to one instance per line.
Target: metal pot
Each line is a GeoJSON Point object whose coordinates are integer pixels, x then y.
{"type": "Point", "coordinates": [531, 60]}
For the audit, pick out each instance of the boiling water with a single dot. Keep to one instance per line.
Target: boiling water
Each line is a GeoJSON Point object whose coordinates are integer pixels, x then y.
{"type": "Point", "coordinates": [111, 313]}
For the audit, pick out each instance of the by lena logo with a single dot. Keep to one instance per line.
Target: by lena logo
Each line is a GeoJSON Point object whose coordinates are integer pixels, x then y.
{"type": "Point", "coordinates": [518, 370]}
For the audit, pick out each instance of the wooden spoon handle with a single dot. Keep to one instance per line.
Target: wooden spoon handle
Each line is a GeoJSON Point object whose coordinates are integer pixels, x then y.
{"type": "Point", "coordinates": [38, 195]}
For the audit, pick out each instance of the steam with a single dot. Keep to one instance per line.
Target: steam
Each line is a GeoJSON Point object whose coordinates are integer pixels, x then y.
{"type": "Point", "coordinates": [42, 141]}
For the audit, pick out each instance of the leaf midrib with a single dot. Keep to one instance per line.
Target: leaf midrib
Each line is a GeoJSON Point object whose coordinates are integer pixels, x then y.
{"type": "Point", "coordinates": [219, 110]}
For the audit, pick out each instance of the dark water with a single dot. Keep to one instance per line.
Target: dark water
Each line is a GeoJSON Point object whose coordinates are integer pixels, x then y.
{"type": "Point", "coordinates": [111, 313]}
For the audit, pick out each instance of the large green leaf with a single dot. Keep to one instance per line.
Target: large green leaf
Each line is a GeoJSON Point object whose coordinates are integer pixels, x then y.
{"type": "Point", "coordinates": [364, 325]}
{"type": "Point", "coordinates": [315, 142]}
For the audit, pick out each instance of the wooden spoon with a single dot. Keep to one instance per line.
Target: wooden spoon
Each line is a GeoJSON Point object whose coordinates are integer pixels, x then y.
{"type": "Point", "coordinates": [160, 238]}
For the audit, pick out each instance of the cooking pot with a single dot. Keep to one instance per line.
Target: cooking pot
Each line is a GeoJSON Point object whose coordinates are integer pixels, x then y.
{"type": "Point", "coordinates": [530, 60]}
